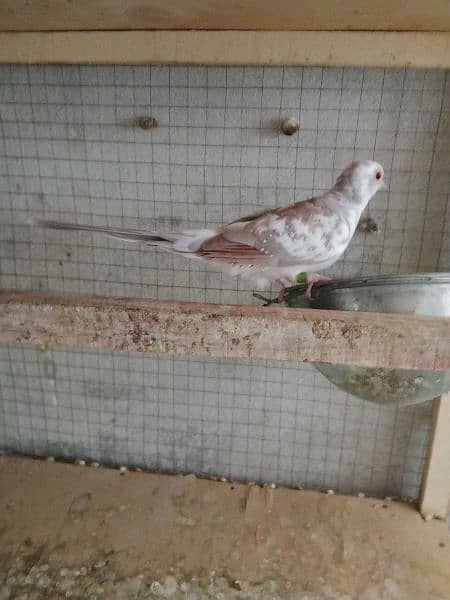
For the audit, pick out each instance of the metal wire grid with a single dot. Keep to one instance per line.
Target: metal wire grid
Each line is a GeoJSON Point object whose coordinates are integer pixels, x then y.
{"type": "Point", "coordinates": [70, 150]}
{"type": "Point", "coordinates": [252, 420]}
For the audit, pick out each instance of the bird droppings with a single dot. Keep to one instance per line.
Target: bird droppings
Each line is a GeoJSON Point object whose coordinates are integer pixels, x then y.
{"type": "Point", "coordinates": [427, 516]}
{"type": "Point", "coordinates": [322, 330]}
{"type": "Point", "coordinates": [379, 385]}
{"type": "Point", "coordinates": [406, 499]}
{"type": "Point", "coordinates": [80, 462]}
{"type": "Point", "coordinates": [352, 333]}
{"type": "Point", "coordinates": [41, 582]}
{"type": "Point", "coordinates": [95, 465]}
{"type": "Point", "coordinates": [361, 495]}
{"type": "Point", "coordinates": [368, 225]}
{"type": "Point", "coordinates": [123, 470]}
{"type": "Point", "coordinates": [49, 369]}
{"type": "Point", "coordinates": [238, 584]}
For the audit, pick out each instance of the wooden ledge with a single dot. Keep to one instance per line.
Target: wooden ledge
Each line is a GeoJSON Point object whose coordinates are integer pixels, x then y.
{"type": "Point", "coordinates": [274, 333]}
{"type": "Point", "coordinates": [326, 48]}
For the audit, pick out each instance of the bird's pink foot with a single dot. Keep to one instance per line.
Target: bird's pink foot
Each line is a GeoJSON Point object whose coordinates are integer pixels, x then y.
{"type": "Point", "coordinates": [281, 294]}
{"type": "Point", "coordinates": [285, 282]}
{"type": "Point", "coordinates": [312, 279]}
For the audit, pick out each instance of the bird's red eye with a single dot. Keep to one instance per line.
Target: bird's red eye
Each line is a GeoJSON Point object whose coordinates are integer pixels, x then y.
{"type": "Point", "coordinates": [378, 175]}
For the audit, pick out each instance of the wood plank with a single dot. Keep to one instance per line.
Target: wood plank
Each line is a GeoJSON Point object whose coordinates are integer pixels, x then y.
{"type": "Point", "coordinates": [359, 49]}
{"type": "Point", "coordinates": [300, 335]}
{"type": "Point", "coordinates": [66, 15]}
{"type": "Point", "coordinates": [435, 493]}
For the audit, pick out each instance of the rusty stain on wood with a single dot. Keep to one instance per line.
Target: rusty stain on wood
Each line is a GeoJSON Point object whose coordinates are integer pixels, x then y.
{"type": "Point", "coordinates": [293, 334]}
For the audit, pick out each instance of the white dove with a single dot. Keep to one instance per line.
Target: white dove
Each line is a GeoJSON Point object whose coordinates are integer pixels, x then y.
{"type": "Point", "coordinates": [275, 244]}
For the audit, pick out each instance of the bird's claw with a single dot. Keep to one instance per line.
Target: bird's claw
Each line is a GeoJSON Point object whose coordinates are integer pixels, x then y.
{"type": "Point", "coordinates": [267, 301]}
{"type": "Point", "coordinates": [311, 281]}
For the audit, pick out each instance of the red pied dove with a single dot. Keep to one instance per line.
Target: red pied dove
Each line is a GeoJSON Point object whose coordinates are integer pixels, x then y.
{"type": "Point", "coordinates": [276, 244]}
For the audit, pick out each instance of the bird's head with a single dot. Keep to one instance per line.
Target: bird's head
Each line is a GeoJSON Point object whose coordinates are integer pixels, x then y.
{"type": "Point", "coordinates": [362, 178]}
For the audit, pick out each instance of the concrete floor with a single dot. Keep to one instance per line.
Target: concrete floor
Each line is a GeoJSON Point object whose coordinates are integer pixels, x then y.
{"type": "Point", "coordinates": [69, 531]}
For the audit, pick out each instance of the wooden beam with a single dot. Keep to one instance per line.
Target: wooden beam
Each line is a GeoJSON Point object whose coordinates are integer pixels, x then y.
{"type": "Point", "coordinates": [435, 493]}
{"type": "Point", "coordinates": [293, 334]}
{"type": "Point", "coordinates": [64, 15]}
{"type": "Point", "coordinates": [326, 48]}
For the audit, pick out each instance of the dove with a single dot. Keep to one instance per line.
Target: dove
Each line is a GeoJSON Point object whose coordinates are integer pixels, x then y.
{"type": "Point", "coordinates": [276, 244]}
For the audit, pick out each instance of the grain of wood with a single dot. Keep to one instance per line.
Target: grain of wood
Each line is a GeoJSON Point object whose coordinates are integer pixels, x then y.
{"type": "Point", "coordinates": [275, 333]}
{"type": "Point", "coordinates": [63, 15]}
{"type": "Point", "coordinates": [326, 48]}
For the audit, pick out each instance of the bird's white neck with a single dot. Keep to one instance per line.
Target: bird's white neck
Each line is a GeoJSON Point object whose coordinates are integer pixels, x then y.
{"type": "Point", "coordinates": [346, 200]}
{"type": "Point", "coordinates": [346, 193]}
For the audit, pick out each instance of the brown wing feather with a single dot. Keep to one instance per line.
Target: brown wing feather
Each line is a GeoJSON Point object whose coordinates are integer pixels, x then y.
{"type": "Point", "coordinates": [219, 248]}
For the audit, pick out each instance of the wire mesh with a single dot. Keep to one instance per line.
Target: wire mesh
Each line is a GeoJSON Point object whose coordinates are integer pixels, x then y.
{"type": "Point", "coordinates": [70, 150]}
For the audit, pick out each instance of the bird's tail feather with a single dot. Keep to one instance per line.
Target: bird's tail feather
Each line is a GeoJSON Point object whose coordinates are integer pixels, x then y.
{"type": "Point", "coordinates": [153, 238]}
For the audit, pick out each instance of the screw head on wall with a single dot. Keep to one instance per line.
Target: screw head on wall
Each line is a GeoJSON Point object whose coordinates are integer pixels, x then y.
{"type": "Point", "coordinates": [289, 126]}
{"type": "Point", "coordinates": [146, 122]}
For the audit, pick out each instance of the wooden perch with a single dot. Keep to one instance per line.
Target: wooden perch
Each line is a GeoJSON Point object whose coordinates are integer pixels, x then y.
{"type": "Point", "coordinates": [293, 334]}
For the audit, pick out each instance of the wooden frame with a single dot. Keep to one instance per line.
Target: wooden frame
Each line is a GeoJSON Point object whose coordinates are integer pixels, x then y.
{"type": "Point", "coordinates": [325, 48]}
{"type": "Point", "coordinates": [435, 493]}
{"type": "Point", "coordinates": [274, 333]}
{"type": "Point", "coordinates": [329, 32]}
{"type": "Point", "coordinates": [325, 33]}
{"type": "Point", "coordinates": [284, 15]}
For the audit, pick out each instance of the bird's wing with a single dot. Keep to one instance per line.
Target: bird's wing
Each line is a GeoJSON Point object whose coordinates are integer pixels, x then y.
{"type": "Point", "coordinates": [305, 233]}
{"type": "Point", "coordinates": [230, 251]}
{"type": "Point", "coordinates": [233, 244]}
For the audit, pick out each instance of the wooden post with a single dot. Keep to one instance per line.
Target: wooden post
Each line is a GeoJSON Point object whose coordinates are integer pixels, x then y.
{"type": "Point", "coordinates": [435, 493]}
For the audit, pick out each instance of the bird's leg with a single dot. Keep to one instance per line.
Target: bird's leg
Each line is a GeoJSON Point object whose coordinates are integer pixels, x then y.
{"type": "Point", "coordinates": [281, 294]}
{"type": "Point", "coordinates": [311, 279]}
{"type": "Point", "coordinates": [285, 282]}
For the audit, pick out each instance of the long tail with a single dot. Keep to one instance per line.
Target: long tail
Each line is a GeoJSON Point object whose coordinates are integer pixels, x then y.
{"type": "Point", "coordinates": [122, 233]}
{"type": "Point", "coordinates": [186, 242]}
